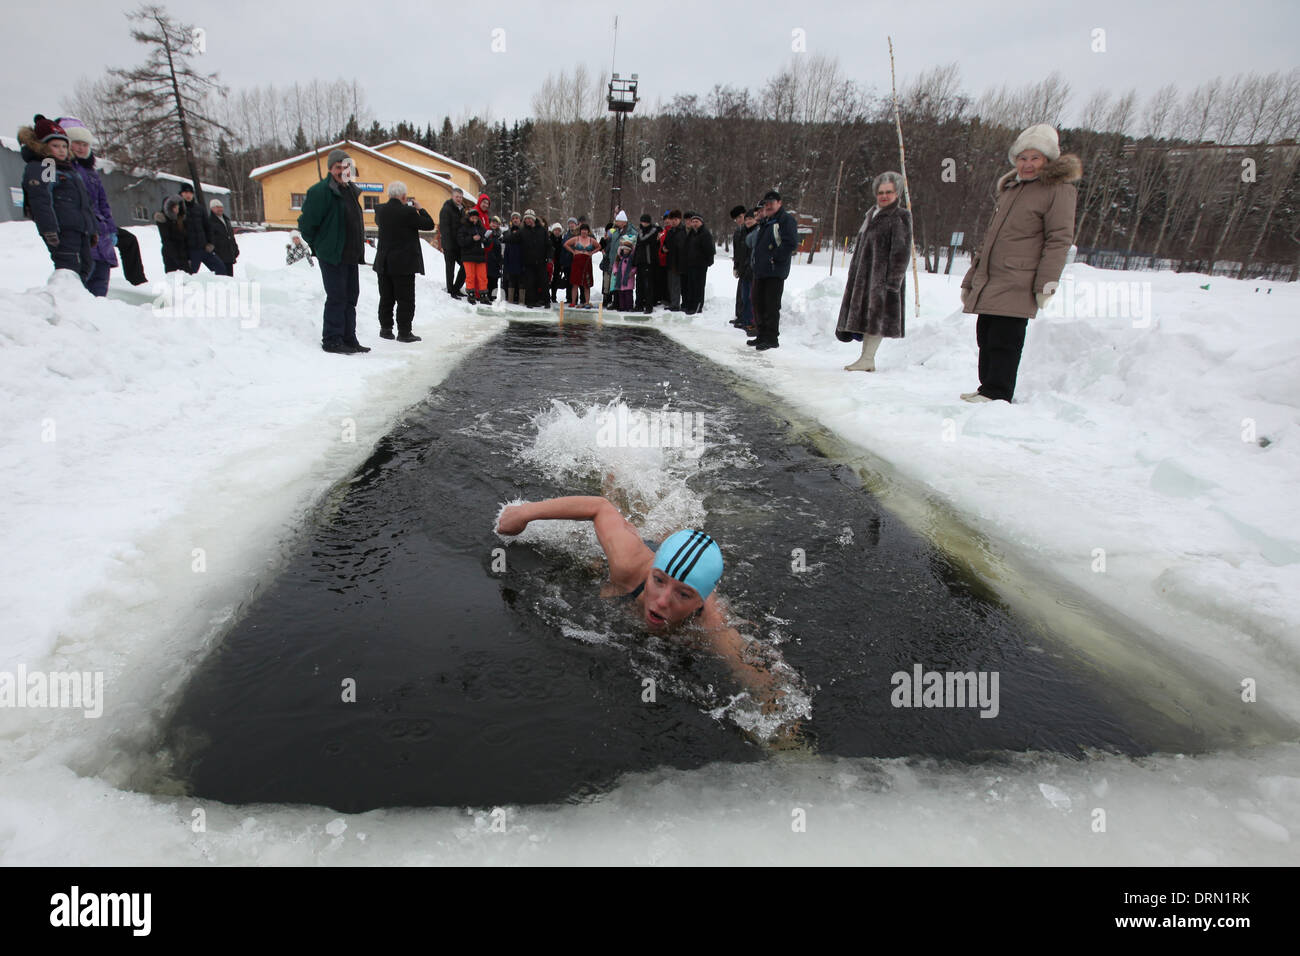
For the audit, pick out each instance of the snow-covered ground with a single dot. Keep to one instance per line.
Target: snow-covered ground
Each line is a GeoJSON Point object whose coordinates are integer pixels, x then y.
{"type": "Point", "coordinates": [154, 467]}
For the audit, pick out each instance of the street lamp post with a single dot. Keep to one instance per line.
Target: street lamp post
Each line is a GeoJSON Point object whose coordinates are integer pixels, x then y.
{"type": "Point", "coordinates": [622, 100]}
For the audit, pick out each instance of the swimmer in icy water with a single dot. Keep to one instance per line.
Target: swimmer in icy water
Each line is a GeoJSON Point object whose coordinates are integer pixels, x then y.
{"type": "Point", "coordinates": [668, 588]}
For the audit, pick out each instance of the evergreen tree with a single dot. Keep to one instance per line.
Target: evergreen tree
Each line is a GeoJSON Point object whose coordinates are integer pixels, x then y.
{"type": "Point", "coordinates": [300, 144]}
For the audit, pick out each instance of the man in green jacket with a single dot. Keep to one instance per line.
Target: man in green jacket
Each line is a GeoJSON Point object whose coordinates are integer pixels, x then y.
{"type": "Point", "coordinates": [332, 225]}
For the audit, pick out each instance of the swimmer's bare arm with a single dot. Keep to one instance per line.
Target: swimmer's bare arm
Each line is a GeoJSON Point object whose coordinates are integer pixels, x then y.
{"type": "Point", "coordinates": [623, 546]}
{"type": "Point", "coordinates": [730, 646]}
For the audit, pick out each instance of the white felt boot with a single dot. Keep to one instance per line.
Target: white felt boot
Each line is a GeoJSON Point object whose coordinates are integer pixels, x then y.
{"type": "Point", "coordinates": [867, 360]}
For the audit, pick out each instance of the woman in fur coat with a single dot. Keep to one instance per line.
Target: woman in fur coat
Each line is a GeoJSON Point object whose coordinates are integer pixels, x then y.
{"type": "Point", "coordinates": [1017, 267]}
{"type": "Point", "coordinates": [872, 308]}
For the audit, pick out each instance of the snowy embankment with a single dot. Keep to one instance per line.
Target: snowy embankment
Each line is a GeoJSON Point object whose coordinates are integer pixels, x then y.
{"type": "Point", "coordinates": [154, 468]}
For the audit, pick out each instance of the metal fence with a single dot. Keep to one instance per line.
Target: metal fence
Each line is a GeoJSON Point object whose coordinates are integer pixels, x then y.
{"type": "Point", "coordinates": [1111, 259]}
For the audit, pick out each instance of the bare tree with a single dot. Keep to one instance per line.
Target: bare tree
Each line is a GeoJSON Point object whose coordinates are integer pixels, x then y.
{"type": "Point", "coordinates": [166, 93]}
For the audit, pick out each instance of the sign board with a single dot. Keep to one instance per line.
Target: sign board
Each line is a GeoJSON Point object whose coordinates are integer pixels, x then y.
{"type": "Point", "coordinates": [369, 187]}
{"type": "Point", "coordinates": [957, 238]}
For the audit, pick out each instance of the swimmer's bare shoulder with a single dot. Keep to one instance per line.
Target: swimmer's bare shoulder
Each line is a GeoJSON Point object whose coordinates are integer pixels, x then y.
{"type": "Point", "coordinates": [629, 558]}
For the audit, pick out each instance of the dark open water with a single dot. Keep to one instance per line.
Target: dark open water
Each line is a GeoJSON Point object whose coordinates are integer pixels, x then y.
{"type": "Point", "coordinates": [471, 686]}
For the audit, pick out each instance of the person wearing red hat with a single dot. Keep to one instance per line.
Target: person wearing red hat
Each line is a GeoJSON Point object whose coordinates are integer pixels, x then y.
{"type": "Point", "coordinates": [55, 196]}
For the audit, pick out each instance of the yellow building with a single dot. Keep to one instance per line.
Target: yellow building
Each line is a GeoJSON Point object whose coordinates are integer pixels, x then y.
{"type": "Point", "coordinates": [429, 177]}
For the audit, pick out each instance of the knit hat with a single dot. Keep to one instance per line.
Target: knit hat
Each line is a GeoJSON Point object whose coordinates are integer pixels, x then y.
{"type": "Point", "coordinates": [621, 216]}
{"type": "Point", "coordinates": [214, 203]}
{"type": "Point", "coordinates": [76, 130]}
{"type": "Point", "coordinates": [47, 129]}
{"type": "Point", "coordinates": [645, 218]}
{"type": "Point", "coordinates": [573, 219]}
{"type": "Point", "coordinates": [556, 227]}
{"type": "Point", "coordinates": [529, 214]}
{"type": "Point", "coordinates": [736, 211]}
{"type": "Point", "coordinates": [336, 156]}
{"type": "Point", "coordinates": [626, 241]}
{"type": "Point", "coordinates": [186, 188]}
{"type": "Point", "coordinates": [473, 211]}
{"type": "Point", "coordinates": [1040, 137]}
{"type": "Point", "coordinates": [497, 220]}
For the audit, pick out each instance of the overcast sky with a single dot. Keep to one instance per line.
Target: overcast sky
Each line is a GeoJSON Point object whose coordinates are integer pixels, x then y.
{"type": "Point", "coordinates": [416, 63]}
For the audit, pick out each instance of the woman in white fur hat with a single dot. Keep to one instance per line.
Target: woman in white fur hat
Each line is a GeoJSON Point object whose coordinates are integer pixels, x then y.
{"type": "Point", "coordinates": [1017, 267]}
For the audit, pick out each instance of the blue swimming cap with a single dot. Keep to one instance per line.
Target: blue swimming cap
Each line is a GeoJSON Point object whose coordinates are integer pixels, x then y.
{"type": "Point", "coordinates": [693, 558]}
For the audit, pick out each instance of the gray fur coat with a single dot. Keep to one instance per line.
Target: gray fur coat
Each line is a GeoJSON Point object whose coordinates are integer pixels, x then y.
{"type": "Point", "coordinates": [873, 296]}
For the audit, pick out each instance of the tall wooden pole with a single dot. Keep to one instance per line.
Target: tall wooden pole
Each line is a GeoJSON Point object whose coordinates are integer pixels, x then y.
{"type": "Point", "coordinates": [902, 161]}
{"type": "Point", "coordinates": [835, 217]}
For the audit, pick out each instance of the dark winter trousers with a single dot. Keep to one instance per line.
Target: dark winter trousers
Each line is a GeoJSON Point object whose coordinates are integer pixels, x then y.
{"type": "Point", "coordinates": [97, 282]}
{"type": "Point", "coordinates": [396, 291]}
{"type": "Point", "coordinates": [1001, 339]}
{"type": "Point", "coordinates": [559, 280]}
{"type": "Point", "coordinates": [745, 301]}
{"type": "Point", "coordinates": [201, 257]}
{"type": "Point", "coordinates": [623, 300]}
{"type": "Point", "coordinates": [693, 289]}
{"type": "Point", "coordinates": [452, 260]}
{"type": "Point", "coordinates": [767, 308]}
{"type": "Point", "coordinates": [674, 290]}
{"type": "Point", "coordinates": [73, 253]}
{"type": "Point", "coordinates": [128, 250]}
{"type": "Point", "coordinates": [342, 286]}
{"type": "Point", "coordinates": [645, 289]}
{"type": "Point", "coordinates": [535, 284]}
{"type": "Point", "coordinates": [661, 283]}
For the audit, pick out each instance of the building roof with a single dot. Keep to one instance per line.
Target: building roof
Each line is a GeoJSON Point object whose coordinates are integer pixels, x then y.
{"type": "Point", "coordinates": [438, 156]}
{"type": "Point", "coordinates": [374, 153]}
{"type": "Point", "coordinates": [108, 166]}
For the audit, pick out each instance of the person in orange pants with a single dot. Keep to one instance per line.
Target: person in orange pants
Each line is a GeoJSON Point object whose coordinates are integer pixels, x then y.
{"type": "Point", "coordinates": [472, 243]}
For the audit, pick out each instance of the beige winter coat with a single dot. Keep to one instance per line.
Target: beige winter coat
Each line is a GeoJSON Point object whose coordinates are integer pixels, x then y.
{"type": "Point", "coordinates": [1025, 247]}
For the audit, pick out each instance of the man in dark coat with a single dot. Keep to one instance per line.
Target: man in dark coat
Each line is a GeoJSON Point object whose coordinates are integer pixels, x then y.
{"type": "Point", "coordinates": [644, 257]}
{"type": "Point", "coordinates": [536, 246]}
{"type": "Point", "coordinates": [740, 265]}
{"type": "Point", "coordinates": [223, 236]}
{"type": "Point", "coordinates": [198, 235]}
{"type": "Point", "coordinates": [774, 244]}
{"type": "Point", "coordinates": [398, 257]}
{"type": "Point", "coordinates": [674, 242]}
{"type": "Point", "coordinates": [697, 255]}
{"type": "Point", "coordinates": [331, 224]}
{"type": "Point", "coordinates": [450, 217]}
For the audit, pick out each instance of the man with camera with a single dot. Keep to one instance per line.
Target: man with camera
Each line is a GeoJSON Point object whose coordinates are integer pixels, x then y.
{"type": "Point", "coordinates": [398, 258]}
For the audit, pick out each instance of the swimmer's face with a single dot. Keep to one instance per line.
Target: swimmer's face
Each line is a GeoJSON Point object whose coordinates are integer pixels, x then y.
{"type": "Point", "coordinates": [668, 602]}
